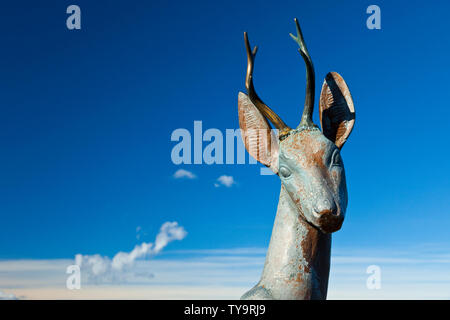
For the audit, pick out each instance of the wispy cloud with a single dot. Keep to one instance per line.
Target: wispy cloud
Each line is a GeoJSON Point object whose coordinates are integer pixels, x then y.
{"type": "Point", "coordinates": [118, 269]}
{"type": "Point", "coordinates": [228, 273]}
{"type": "Point", "coordinates": [7, 296]}
{"type": "Point", "coordinates": [225, 180]}
{"type": "Point", "coordinates": [181, 173]}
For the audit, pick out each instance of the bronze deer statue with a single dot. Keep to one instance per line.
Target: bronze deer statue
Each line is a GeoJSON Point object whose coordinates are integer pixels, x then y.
{"type": "Point", "coordinates": [313, 196]}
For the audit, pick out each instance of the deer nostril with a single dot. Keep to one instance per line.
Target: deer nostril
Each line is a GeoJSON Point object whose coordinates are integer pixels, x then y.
{"type": "Point", "coordinates": [325, 206]}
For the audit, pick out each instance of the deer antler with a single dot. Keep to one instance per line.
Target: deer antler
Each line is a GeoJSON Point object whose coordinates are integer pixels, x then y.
{"type": "Point", "coordinates": [306, 120]}
{"type": "Point", "coordinates": [262, 107]}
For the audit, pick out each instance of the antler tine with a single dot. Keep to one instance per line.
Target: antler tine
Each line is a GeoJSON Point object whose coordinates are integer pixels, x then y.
{"type": "Point", "coordinates": [310, 78]}
{"type": "Point", "coordinates": [262, 107]}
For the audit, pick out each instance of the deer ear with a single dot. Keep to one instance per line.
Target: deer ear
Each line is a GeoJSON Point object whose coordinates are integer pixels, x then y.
{"type": "Point", "coordinates": [259, 140]}
{"type": "Point", "coordinates": [337, 113]}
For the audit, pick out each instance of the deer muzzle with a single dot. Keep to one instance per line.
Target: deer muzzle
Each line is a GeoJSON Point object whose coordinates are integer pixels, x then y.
{"type": "Point", "coordinates": [328, 222]}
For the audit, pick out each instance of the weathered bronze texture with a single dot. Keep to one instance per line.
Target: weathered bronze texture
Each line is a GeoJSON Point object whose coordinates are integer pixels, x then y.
{"type": "Point", "coordinates": [313, 196]}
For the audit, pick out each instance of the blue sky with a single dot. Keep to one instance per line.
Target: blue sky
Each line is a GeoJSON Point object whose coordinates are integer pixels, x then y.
{"type": "Point", "coordinates": [86, 118]}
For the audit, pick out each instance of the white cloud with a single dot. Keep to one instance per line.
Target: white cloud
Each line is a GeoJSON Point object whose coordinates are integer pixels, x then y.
{"type": "Point", "coordinates": [227, 181]}
{"type": "Point", "coordinates": [7, 296]}
{"type": "Point", "coordinates": [118, 269]}
{"type": "Point", "coordinates": [181, 173]}
{"type": "Point", "coordinates": [169, 231]}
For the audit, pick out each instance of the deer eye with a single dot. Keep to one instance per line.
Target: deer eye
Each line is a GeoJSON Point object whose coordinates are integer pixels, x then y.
{"type": "Point", "coordinates": [336, 159]}
{"type": "Point", "coordinates": [285, 172]}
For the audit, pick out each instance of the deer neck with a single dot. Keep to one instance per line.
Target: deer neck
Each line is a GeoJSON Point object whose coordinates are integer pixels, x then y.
{"type": "Point", "coordinates": [298, 259]}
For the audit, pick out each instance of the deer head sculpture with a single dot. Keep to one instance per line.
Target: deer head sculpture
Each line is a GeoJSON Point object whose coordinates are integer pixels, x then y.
{"type": "Point", "coordinates": [313, 196]}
